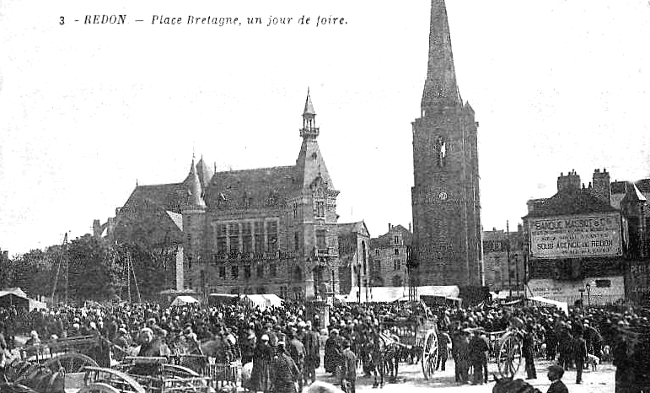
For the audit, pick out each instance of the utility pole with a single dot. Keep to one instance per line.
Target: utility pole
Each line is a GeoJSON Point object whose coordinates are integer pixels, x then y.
{"type": "Point", "coordinates": [508, 256]}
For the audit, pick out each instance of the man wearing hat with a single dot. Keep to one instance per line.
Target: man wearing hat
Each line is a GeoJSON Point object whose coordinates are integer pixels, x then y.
{"type": "Point", "coordinates": [312, 352]}
{"type": "Point", "coordinates": [284, 372]}
{"type": "Point", "coordinates": [528, 349]}
{"type": "Point", "coordinates": [554, 375]}
{"type": "Point", "coordinates": [120, 344]}
{"type": "Point", "coordinates": [297, 353]}
{"type": "Point", "coordinates": [349, 368]}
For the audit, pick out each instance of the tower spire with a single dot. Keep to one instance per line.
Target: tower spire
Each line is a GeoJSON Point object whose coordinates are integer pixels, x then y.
{"type": "Point", "coordinates": [309, 129]}
{"type": "Point", "coordinates": [193, 184]}
{"type": "Point", "coordinates": [440, 87]}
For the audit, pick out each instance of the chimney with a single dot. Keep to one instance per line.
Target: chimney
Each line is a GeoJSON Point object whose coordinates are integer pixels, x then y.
{"type": "Point", "coordinates": [97, 229]}
{"type": "Point", "coordinates": [410, 230]}
{"type": "Point", "coordinates": [520, 228]}
{"type": "Point", "coordinates": [602, 186]}
{"type": "Point", "coordinates": [571, 180]}
{"type": "Point", "coordinates": [389, 227]}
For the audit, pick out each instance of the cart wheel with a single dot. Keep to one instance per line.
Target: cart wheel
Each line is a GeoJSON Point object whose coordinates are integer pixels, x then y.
{"type": "Point", "coordinates": [71, 362]}
{"type": "Point", "coordinates": [430, 354]}
{"type": "Point", "coordinates": [98, 388]}
{"type": "Point", "coordinates": [509, 355]}
{"type": "Point", "coordinates": [102, 377]}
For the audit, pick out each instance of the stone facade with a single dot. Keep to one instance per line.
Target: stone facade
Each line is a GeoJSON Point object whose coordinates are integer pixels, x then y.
{"type": "Point", "coordinates": [388, 257]}
{"type": "Point", "coordinates": [445, 195]}
{"type": "Point", "coordinates": [354, 253]}
{"type": "Point", "coordinates": [598, 279]}
{"type": "Point", "coordinates": [265, 230]}
{"type": "Point", "coordinates": [504, 256]}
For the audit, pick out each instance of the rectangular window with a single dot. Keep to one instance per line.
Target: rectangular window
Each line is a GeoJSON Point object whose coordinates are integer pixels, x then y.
{"type": "Point", "coordinates": [296, 241]}
{"type": "Point", "coordinates": [378, 265]}
{"type": "Point", "coordinates": [247, 272]}
{"type": "Point", "coordinates": [283, 292]}
{"type": "Point", "coordinates": [233, 231]}
{"type": "Point", "coordinates": [377, 252]}
{"type": "Point", "coordinates": [260, 271]}
{"type": "Point", "coordinates": [320, 209]}
{"type": "Point", "coordinates": [272, 235]}
{"type": "Point", "coordinates": [396, 239]}
{"type": "Point", "coordinates": [397, 251]}
{"type": "Point", "coordinates": [295, 210]}
{"type": "Point", "coordinates": [272, 271]}
{"type": "Point", "coordinates": [247, 237]}
{"type": "Point", "coordinates": [222, 242]}
{"type": "Point", "coordinates": [321, 239]}
{"type": "Point", "coordinates": [397, 264]}
{"type": "Point", "coordinates": [222, 272]}
{"type": "Point", "coordinates": [234, 271]}
{"type": "Point", "coordinates": [259, 236]}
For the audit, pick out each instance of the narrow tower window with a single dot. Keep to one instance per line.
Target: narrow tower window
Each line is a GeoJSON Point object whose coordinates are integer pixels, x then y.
{"type": "Point", "coordinates": [441, 150]}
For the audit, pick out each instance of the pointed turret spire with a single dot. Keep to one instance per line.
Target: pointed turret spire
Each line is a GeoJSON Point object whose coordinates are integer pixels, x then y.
{"type": "Point", "coordinates": [309, 107]}
{"type": "Point", "coordinates": [309, 129]}
{"type": "Point", "coordinates": [440, 88]}
{"type": "Point", "coordinates": [193, 184]}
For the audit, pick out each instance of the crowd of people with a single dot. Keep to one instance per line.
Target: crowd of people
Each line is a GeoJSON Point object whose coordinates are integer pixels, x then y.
{"type": "Point", "coordinates": [284, 343]}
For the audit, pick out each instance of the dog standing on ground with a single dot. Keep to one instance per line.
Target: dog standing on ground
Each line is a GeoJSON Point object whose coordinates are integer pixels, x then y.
{"type": "Point", "coordinates": [593, 361]}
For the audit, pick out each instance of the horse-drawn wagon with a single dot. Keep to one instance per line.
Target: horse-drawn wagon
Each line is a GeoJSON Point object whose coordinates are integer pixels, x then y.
{"type": "Point", "coordinates": [418, 334]}
{"type": "Point", "coordinates": [143, 375]}
{"type": "Point", "coordinates": [71, 354]}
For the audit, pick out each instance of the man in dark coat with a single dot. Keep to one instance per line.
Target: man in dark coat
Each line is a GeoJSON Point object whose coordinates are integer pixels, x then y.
{"type": "Point", "coordinates": [554, 375]}
{"type": "Point", "coordinates": [529, 353]}
{"type": "Point", "coordinates": [312, 352]}
{"type": "Point", "coordinates": [297, 353]}
{"type": "Point", "coordinates": [284, 371]}
{"type": "Point", "coordinates": [349, 369]}
{"type": "Point", "coordinates": [478, 350]}
{"type": "Point", "coordinates": [443, 353]}
{"type": "Point", "coordinates": [462, 356]}
{"type": "Point", "coordinates": [579, 354]}
{"type": "Point", "coordinates": [332, 352]}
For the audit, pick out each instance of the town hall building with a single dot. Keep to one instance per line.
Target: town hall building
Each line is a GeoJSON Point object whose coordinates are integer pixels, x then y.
{"type": "Point", "coordinates": [263, 230]}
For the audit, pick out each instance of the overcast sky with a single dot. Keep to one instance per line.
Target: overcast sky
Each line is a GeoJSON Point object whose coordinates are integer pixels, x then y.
{"type": "Point", "coordinates": [87, 110]}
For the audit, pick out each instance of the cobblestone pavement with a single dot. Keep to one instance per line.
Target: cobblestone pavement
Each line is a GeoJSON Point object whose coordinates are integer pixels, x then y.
{"type": "Point", "coordinates": [600, 381]}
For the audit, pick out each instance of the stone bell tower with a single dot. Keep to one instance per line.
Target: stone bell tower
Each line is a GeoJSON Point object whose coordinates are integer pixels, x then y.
{"type": "Point", "coordinates": [445, 198]}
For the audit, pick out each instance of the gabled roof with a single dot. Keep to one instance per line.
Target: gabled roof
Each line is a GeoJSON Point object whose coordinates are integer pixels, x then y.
{"type": "Point", "coordinates": [386, 240]}
{"type": "Point", "coordinates": [358, 227]}
{"type": "Point", "coordinates": [166, 196]}
{"type": "Point", "coordinates": [633, 194]}
{"type": "Point", "coordinates": [570, 201]}
{"type": "Point", "coordinates": [251, 188]}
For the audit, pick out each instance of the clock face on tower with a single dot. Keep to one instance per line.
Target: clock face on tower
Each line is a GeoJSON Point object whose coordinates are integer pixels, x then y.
{"type": "Point", "coordinates": [442, 196]}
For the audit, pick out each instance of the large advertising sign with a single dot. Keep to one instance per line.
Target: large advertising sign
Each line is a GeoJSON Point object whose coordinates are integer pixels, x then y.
{"type": "Point", "coordinates": [580, 236]}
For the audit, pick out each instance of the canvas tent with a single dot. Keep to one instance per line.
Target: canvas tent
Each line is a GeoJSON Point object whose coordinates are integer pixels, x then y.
{"type": "Point", "coordinates": [183, 300]}
{"type": "Point", "coordinates": [18, 298]}
{"type": "Point", "coordinates": [564, 306]}
{"type": "Point", "coordinates": [262, 301]}
{"type": "Point", "coordinates": [391, 294]}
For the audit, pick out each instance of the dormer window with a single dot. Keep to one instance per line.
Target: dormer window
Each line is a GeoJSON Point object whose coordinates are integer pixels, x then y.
{"type": "Point", "coordinates": [320, 209]}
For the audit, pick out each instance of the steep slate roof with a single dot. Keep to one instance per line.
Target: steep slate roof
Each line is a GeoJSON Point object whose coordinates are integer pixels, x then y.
{"type": "Point", "coordinates": [252, 187]}
{"type": "Point", "coordinates": [166, 196]}
{"type": "Point", "coordinates": [386, 240]}
{"type": "Point", "coordinates": [204, 172]}
{"type": "Point", "coordinates": [353, 227]}
{"type": "Point", "coordinates": [570, 201]}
